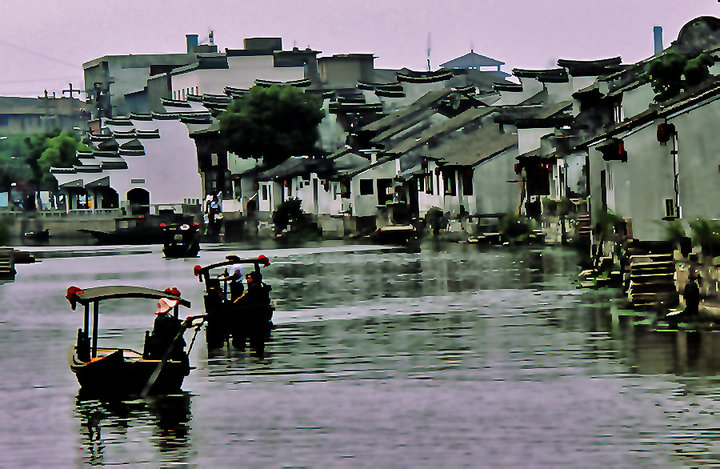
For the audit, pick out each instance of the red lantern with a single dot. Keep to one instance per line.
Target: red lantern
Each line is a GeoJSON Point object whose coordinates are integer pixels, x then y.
{"type": "Point", "coordinates": [264, 260]}
{"type": "Point", "coordinates": [665, 131]}
{"type": "Point", "coordinates": [197, 269]}
{"type": "Point", "coordinates": [286, 183]}
{"type": "Point", "coordinates": [437, 170]}
{"type": "Point", "coordinates": [326, 186]}
{"type": "Point", "coordinates": [423, 165]}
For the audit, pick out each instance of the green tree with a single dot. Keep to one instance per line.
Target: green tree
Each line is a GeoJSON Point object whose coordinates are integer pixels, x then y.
{"type": "Point", "coordinates": [12, 162]}
{"type": "Point", "coordinates": [672, 73]}
{"type": "Point", "coordinates": [51, 149]}
{"type": "Point", "coordinates": [272, 123]}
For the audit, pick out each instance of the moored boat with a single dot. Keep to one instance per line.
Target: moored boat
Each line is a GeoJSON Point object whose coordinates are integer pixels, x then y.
{"type": "Point", "coordinates": [181, 239]}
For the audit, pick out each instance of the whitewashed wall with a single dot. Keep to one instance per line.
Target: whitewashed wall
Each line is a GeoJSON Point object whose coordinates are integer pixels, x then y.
{"type": "Point", "coordinates": [496, 186]}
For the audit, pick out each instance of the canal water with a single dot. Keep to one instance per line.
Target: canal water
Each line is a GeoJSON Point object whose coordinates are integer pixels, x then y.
{"type": "Point", "coordinates": [452, 356]}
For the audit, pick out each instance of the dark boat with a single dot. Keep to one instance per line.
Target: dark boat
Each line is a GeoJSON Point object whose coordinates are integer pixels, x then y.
{"type": "Point", "coordinates": [138, 229]}
{"type": "Point", "coordinates": [395, 234]}
{"type": "Point", "coordinates": [42, 236]}
{"type": "Point", "coordinates": [113, 371]}
{"type": "Point", "coordinates": [181, 239]}
{"type": "Point", "coordinates": [240, 321]}
{"type": "Point", "coordinates": [129, 230]}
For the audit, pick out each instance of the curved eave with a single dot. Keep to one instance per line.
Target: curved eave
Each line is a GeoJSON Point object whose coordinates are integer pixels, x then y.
{"type": "Point", "coordinates": [425, 78]}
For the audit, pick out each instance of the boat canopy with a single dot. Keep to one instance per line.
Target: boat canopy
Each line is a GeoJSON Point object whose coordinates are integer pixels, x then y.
{"type": "Point", "coordinates": [232, 259]}
{"type": "Point", "coordinates": [89, 295]}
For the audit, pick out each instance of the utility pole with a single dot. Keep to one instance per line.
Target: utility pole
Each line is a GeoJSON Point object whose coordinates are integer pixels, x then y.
{"type": "Point", "coordinates": [71, 90]}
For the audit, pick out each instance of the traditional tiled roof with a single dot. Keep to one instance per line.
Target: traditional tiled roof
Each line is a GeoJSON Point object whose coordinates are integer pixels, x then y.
{"type": "Point", "coordinates": [404, 124]}
{"type": "Point", "coordinates": [511, 87]}
{"type": "Point", "coordinates": [424, 77]}
{"type": "Point", "coordinates": [472, 60]}
{"type": "Point", "coordinates": [295, 166]}
{"type": "Point", "coordinates": [530, 115]}
{"type": "Point", "coordinates": [302, 83]}
{"type": "Point", "coordinates": [390, 86]}
{"type": "Point", "coordinates": [422, 103]}
{"type": "Point", "coordinates": [599, 67]}
{"type": "Point", "coordinates": [474, 148]}
{"type": "Point", "coordinates": [440, 129]}
{"type": "Point", "coordinates": [554, 75]}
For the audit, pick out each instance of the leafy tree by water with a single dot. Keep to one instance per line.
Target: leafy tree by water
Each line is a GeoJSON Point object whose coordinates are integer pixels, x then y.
{"type": "Point", "coordinates": [51, 149]}
{"type": "Point", "coordinates": [289, 212]}
{"type": "Point", "coordinates": [272, 123]}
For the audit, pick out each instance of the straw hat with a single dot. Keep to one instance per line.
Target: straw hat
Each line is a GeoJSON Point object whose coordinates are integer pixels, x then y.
{"type": "Point", "coordinates": [165, 305]}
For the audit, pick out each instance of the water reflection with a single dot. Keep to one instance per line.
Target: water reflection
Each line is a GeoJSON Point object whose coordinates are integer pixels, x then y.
{"type": "Point", "coordinates": [376, 353]}
{"type": "Point", "coordinates": [118, 432]}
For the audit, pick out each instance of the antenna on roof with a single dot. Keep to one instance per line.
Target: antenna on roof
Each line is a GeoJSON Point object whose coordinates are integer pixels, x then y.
{"type": "Point", "coordinates": [471, 46]}
{"type": "Point", "coordinates": [428, 53]}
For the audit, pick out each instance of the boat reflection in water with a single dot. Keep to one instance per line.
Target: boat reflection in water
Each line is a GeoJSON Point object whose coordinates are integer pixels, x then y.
{"type": "Point", "coordinates": [115, 432]}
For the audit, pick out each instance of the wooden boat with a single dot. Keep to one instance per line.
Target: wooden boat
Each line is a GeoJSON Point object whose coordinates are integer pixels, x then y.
{"type": "Point", "coordinates": [42, 236]}
{"type": "Point", "coordinates": [122, 371]}
{"type": "Point", "coordinates": [181, 239]}
{"type": "Point", "coordinates": [225, 319]}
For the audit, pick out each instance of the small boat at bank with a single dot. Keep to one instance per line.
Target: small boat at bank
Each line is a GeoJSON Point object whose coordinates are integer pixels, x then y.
{"type": "Point", "coordinates": [118, 371]}
{"type": "Point", "coordinates": [242, 321]}
{"type": "Point", "coordinates": [181, 239]}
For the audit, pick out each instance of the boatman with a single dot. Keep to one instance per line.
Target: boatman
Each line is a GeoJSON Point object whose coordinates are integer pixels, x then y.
{"type": "Point", "coordinates": [167, 333]}
{"type": "Point", "coordinates": [256, 311]}
{"type": "Point", "coordinates": [235, 276]}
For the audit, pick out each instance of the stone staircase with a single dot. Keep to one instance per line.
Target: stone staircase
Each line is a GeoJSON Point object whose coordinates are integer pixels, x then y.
{"type": "Point", "coordinates": [7, 263]}
{"type": "Point", "coordinates": [583, 229]}
{"type": "Point", "coordinates": [651, 279]}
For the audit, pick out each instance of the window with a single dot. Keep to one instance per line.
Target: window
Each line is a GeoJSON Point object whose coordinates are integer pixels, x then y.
{"type": "Point", "coordinates": [618, 115]}
{"type": "Point", "coordinates": [429, 184]}
{"type": "Point", "coordinates": [449, 182]}
{"type": "Point", "coordinates": [366, 186]}
{"type": "Point", "coordinates": [264, 195]}
{"type": "Point", "coordinates": [421, 184]}
{"type": "Point", "coordinates": [467, 181]}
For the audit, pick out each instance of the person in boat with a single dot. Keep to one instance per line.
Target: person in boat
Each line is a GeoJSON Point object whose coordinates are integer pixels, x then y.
{"type": "Point", "coordinates": [235, 277]}
{"type": "Point", "coordinates": [254, 308]}
{"type": "Point", "coordinates": [167, 332]}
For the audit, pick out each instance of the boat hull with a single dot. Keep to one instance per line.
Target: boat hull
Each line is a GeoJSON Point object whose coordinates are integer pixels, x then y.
{"type": "Point", "coordinates": [124, 372]}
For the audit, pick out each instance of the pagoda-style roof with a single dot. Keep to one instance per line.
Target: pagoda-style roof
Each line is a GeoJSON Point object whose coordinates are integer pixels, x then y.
{"type": "Point", "coordinates": [472, 60]}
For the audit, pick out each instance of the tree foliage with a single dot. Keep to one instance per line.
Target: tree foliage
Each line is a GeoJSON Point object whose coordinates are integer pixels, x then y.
{"type": "Point", "coordinates": [272, 123]}
{"type": "Point", "coordinates": [51, 149]}
{"type": "Point", "coordinates": [13, 167]}
{"type": "Point", "coordinates": [672, 73]}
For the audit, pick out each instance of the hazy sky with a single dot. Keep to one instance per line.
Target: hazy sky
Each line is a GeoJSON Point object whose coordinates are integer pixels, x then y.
{"type": "Point", "coordinates": [45, 42]}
